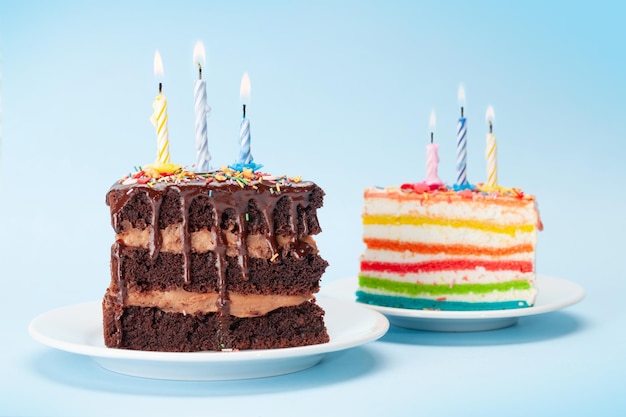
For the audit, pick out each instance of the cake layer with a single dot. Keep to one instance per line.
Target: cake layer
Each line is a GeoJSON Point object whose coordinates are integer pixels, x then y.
{"type": "Point", "coordinates": [458, 249]}
{"type": "Point", "coordinates": [150, 328]}
{"type": "Point", "coordinates": [416, 220]}
{"type": "Point", "coordinates": [448, 265]}
{"type": "Point", "coordinates": [397, 301]}
{"type": "Point", "coordinates": [135, 269]}
{"type": "Point", "coordinates": [471, 289]}
{"type": "Point", "coordinates": [461, 206]}
{"type": "Point", "coordinates": [203, 204]}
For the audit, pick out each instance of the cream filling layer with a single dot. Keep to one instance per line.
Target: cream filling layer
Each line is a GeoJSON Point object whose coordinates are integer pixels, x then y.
{"type": "Point", "coordinates": [451, 278]}
{"type": "Point", "coordinates": [381, 255]}
{"type": "Point", "coordinates": [204, 240]}
{"type": "Point", "coordinates": [441, 235]}
{"type": "Point", "coordinates": [185, 302]}
{"type": "Point", "coordinates": [201, 241]}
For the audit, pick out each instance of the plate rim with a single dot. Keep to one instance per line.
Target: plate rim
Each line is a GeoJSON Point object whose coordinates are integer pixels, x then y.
{"type": "Point", "coordinates": [575, 295]}
{"type": "Point", "coordinates": [378, 325]}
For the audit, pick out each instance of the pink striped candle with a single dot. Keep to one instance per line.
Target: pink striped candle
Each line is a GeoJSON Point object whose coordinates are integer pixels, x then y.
{"type": "Point", "coordinates": [432, 156]}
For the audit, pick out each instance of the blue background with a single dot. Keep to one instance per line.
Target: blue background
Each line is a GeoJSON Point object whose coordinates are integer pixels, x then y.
{"type": "Point", "coordinates": [341, 94]}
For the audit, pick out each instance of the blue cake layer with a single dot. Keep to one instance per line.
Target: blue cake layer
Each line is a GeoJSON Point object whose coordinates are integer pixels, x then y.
{"type": "Point", "coordinates": [430, 304]}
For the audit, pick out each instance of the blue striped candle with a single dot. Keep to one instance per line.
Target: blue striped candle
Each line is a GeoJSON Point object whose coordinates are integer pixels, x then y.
{"type": "Point", "coordinates": [245, 156]}
{"type": "Point", "coordinates": [461, 143]}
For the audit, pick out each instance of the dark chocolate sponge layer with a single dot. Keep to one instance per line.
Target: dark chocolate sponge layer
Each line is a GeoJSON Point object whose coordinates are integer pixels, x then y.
{"type": "Point", "coordinates": [285, 275]}
{"type": "Point", "coordinates": [145, 328]}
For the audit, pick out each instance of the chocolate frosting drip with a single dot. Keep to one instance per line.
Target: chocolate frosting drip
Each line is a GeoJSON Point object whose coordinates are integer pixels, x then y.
{"type": "Point", "coordinates": [185, 235]}
{"type": "Point", "coordinates": [223, 303]}
{"type": "Point", "coordinates": [116, 272]}
{"type": "Point", "coordinates": [233, 210]}
{"type": "Point", "coordinates": [242, 247]}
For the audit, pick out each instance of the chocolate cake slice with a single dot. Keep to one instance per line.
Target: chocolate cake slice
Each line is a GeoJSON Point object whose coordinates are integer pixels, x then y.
{"type": "Point", "coordinates": [224, 260]}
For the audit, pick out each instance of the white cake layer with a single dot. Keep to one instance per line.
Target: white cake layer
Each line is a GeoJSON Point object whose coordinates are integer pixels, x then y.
{"type": "Point", "coordinates": [382, 255]}
{"type": "Point", "coordinates": [521, 213]}
{"type": "Point", "coordinates": [490, 297]}
{"type": "Point", "coordinates": [465, 276]}
{"type": "Point", "coordinates": [446, 235]}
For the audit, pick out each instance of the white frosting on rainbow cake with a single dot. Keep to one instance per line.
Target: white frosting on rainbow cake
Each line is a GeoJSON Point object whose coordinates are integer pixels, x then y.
{"type": "Point", "coordinates": [434, 247]}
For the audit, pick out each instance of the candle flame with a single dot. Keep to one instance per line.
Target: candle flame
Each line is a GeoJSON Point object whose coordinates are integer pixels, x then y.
{"type": "Point", "coordinates": [461, 95]}
{"type": "Point", "coordinates": [199, 57]}
{"type": "Point", "coordinates": [490, 116]}
{"type": "Point", "coordinates": [244, 89]}
{"type": "Point", "coordinates": [433, 120]}
{"type": "Point", "coordinates": [158, 65]}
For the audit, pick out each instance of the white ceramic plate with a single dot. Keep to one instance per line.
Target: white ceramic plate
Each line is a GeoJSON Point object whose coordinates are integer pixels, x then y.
{"type": "Point", "coordinates": [78, 329]}
{"type": "Point", "coordinates": [553, 294]}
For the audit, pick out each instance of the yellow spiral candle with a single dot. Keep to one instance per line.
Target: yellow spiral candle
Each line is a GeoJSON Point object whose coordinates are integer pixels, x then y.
{"type": "Point", "coordinates": [492, 161]}
{"type": "Point", "coordinates": [159, 116]}
{"type": "Point", "coordinates": [159, 120]}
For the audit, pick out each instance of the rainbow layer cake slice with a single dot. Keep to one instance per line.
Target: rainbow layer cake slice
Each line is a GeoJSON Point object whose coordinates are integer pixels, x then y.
{"type": "Point", "coordinates": [434, 247]}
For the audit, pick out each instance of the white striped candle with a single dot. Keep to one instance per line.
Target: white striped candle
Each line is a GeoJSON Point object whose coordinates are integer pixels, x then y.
{"type": "Point", "coordinates": [202, 111]}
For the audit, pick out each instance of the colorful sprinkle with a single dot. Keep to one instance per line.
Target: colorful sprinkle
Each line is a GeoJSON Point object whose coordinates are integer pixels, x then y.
{"type": "Point", "coordinates": [244, 176]}
{"type": "Point", "coordinates": [466, 190]}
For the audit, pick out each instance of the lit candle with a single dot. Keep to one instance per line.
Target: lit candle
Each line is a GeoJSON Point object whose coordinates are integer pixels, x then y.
{"type": "Point", "coordinates": [159, 116]}
{"type": "Point", "coordinates": [432, 156]}
{"type": "Point", "coordinates": [202, 111]}
{"type": "Point", "coordinates": [492, 162]}
{"type": "Point", "coordinates": [461, 143]}
{"type": "Point", "coordinates": [245, 157]}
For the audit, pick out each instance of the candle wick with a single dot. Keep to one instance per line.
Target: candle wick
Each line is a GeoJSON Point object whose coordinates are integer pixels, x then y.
{"type": "Point", "coordinates": [199, 71]}
{"type": "Point", "coordinates": [490, 127]}
{"type": "Point", "coordinates": [431, 137]}
{"type": "Point", "coordinates": [244, 111]}
{"type": "Point", "coordinates": [160, 88]}
{"type": "Point", "coordinates": [461, 111]}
